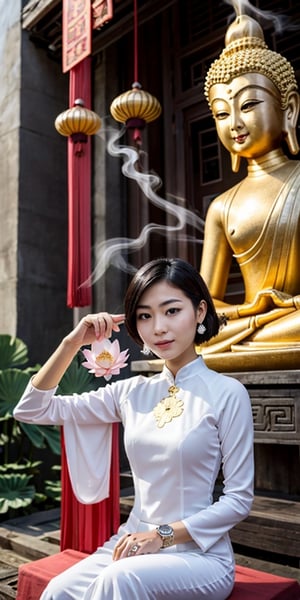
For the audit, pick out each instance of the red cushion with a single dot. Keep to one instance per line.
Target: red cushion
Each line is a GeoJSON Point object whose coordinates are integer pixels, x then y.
{"type": "Point", "coordinates": [34, 576]}
{"type": "Point", "coordinates": [249, 584]}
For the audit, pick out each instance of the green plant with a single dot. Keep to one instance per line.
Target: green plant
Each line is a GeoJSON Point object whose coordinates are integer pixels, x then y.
{"type": "Point", "coordinates": [18, 441]}
{"type": "Point", "coordinates": [53, 487]}
{"type": "Point", "coordinates": [23, 481]}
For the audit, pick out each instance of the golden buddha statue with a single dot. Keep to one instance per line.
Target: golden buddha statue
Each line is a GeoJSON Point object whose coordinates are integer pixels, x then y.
{"type": "Point", "coordinates": [252, 93]}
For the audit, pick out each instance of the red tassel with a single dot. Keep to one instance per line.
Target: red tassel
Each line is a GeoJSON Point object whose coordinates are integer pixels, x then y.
{"type": "Point", "coordinates": [79, 292]}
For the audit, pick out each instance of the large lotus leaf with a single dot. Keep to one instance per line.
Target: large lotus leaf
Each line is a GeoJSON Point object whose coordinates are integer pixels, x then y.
{"type": "Point", "coordinates": [76, 379]}
{"type": "Point", "coordinates": [15, 492]}
{"type": "Point", "coordinates": [39, 435]}
{"type": "Point", "coordinates": [12, 385]}
{"type": "Point", "coordinates": [28, 466]}
{"type": "Point", "coordinates": [13, 352]}
{"type": "Point", "coordinates": [53, 489]}
{"type": "Point", "coordinates": [4, 438]}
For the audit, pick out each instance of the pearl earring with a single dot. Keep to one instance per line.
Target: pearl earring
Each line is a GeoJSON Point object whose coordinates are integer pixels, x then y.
{"type": "Point", "coordinates": [201, 329]}
{"type": "Point", "coordinates": [146, 351]}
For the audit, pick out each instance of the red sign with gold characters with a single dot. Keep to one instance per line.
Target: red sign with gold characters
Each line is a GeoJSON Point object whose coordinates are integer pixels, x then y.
{"type": "Point", "coordinates": [77, 32]}
{"type": "Point", "coordinates": [102, 12]}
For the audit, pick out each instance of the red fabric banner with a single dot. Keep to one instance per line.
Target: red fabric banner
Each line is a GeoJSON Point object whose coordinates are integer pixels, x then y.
{"type": "Point", "coordinates": [84, 527]}
{"type": "Point", "coordinates": [79, 197]}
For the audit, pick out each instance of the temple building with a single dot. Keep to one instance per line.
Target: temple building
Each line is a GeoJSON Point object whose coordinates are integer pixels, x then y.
{"type": "Point", "coordinates": [148, 185]}
{"type": "Point", "coordinates": [176, 42]}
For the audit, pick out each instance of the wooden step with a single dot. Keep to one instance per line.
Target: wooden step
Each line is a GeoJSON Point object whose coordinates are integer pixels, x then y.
{"type": "Point", "coordinates": [9, 564]}
{"type": "Point", "coordinates": [273, 526]}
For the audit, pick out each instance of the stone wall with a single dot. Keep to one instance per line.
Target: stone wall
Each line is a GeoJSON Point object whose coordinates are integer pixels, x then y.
{"type": "Point", "coordinates": [10, 44]}
{"type": "Point", "coordinates": [33, 206]}
{"type": "Point", "coordinates": [43, 317]}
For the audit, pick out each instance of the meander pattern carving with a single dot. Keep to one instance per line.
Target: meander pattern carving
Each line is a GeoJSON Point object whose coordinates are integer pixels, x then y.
{"type": "Point", "coordinates": [274, 415]}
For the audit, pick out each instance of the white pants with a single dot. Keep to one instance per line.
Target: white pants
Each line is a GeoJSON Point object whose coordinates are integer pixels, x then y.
{"type": "Point", "coordinates": [168, 574]}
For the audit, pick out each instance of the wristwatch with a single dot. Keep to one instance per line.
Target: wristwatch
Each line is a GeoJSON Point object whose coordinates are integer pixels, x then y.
{"type": "Point", "coordinates": [166, 533]}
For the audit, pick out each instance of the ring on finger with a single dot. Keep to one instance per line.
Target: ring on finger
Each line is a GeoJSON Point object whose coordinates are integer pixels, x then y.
{"type": "Point", "coordinates": [133, 549]}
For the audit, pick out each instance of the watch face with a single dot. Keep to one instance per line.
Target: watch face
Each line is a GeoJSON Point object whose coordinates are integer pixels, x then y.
{"type": "Point", "coordinates": [165, 530]}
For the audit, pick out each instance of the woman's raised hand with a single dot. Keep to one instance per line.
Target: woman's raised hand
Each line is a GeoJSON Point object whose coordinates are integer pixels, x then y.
{"type": "Point", "coordinates": [91, 328]}
{"type": "Point", "coordinates": [94, 327]}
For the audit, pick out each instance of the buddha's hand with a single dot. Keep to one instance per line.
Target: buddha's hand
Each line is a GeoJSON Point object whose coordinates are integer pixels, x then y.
{"type": "Point", "coordinates": [260, 304]}
{"type": "Point", "coordinates": [263, 301]}
{"type": "Point", "coordinates": [280, 299]}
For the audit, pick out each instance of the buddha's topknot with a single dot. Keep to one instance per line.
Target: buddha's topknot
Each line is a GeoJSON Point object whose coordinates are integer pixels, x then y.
{"type": "Point", "coordinates": [246, 52]}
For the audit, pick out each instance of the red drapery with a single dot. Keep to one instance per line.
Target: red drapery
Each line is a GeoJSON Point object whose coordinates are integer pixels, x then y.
{"type": "Point", "coordinates": [79, 197]}
{"type": "Point", "coordinates": [84, 527]}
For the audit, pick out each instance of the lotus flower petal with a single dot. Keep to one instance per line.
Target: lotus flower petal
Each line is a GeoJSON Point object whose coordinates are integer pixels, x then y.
{"type": "Point", "coordinates": [105, 358]}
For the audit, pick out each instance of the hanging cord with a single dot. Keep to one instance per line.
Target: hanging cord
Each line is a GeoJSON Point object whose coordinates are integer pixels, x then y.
{"type": "Point", "coordinates": [135, 29]}
{"type": "Point", "coordinates": [139, 122]}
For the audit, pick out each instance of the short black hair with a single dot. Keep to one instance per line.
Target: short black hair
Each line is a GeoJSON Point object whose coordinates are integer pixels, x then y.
{"type": "Point", "coordinates": [182, 275]}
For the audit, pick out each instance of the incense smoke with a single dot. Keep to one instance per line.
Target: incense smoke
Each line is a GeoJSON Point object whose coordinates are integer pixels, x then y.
{"type": "Point", "coordinates": [264, 17]}
{"type": "Point", "coordinates": [114, 251]}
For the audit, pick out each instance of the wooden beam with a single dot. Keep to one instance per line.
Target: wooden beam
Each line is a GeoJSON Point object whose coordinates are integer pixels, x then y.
{"type": "Point", "coordinates": [34, 11]}
{"type": "Point", "coordinates": [116, 29]}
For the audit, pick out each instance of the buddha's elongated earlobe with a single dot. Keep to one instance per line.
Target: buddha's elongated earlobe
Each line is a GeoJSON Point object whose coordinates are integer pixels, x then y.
{"type": "Point", "coordinates": [292, 142]}
{"type": "Point", "coordinates": [235, 162]}
{"type": "Point", "coordinates": [290, 122]}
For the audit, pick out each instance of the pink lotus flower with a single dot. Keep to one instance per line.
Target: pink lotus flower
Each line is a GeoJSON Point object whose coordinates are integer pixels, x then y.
{"type": "Point", "coordinates": [105, 358]}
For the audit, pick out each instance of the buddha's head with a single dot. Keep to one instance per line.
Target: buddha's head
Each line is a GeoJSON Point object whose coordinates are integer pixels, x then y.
{"type": "Point", "coordinates": [246, 52]}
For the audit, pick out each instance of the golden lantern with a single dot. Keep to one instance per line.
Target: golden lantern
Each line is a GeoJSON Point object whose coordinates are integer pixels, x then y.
{"type": "Point", "coordinates": [77, 122]}
{"type": "Point", "coordinates": [135, 108]}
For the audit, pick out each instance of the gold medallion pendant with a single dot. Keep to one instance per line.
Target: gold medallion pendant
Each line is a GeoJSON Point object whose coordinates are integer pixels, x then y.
{"type": "Point", "coordinates": [168, 408]}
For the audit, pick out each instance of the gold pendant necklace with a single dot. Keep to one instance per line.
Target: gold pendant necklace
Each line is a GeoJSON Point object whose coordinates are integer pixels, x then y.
{"type": "Point", "coordinates": [168, 408]}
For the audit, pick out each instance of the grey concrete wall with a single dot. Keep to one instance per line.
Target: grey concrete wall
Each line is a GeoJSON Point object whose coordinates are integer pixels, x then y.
{"type": "Point", "coordinates": [33, 197]}
{"type": "Point", "coordinates": [10, 51]}
{"type": "Point", "coordinates": [43, 317]}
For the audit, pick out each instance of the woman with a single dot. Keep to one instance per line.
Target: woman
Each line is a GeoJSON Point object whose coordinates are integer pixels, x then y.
{"type": "Point", "coordinates": [180, 427]}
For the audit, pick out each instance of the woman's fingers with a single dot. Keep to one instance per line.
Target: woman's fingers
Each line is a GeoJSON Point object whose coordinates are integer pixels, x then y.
{"type": "Point", "coordinates": [103, 323]}
{"type": "Point", "coordinates": [120, 547]}
{"type": "Point", "coordinates": [137, 543]}
{"type": "Point", "coordinates": [116, 321]}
